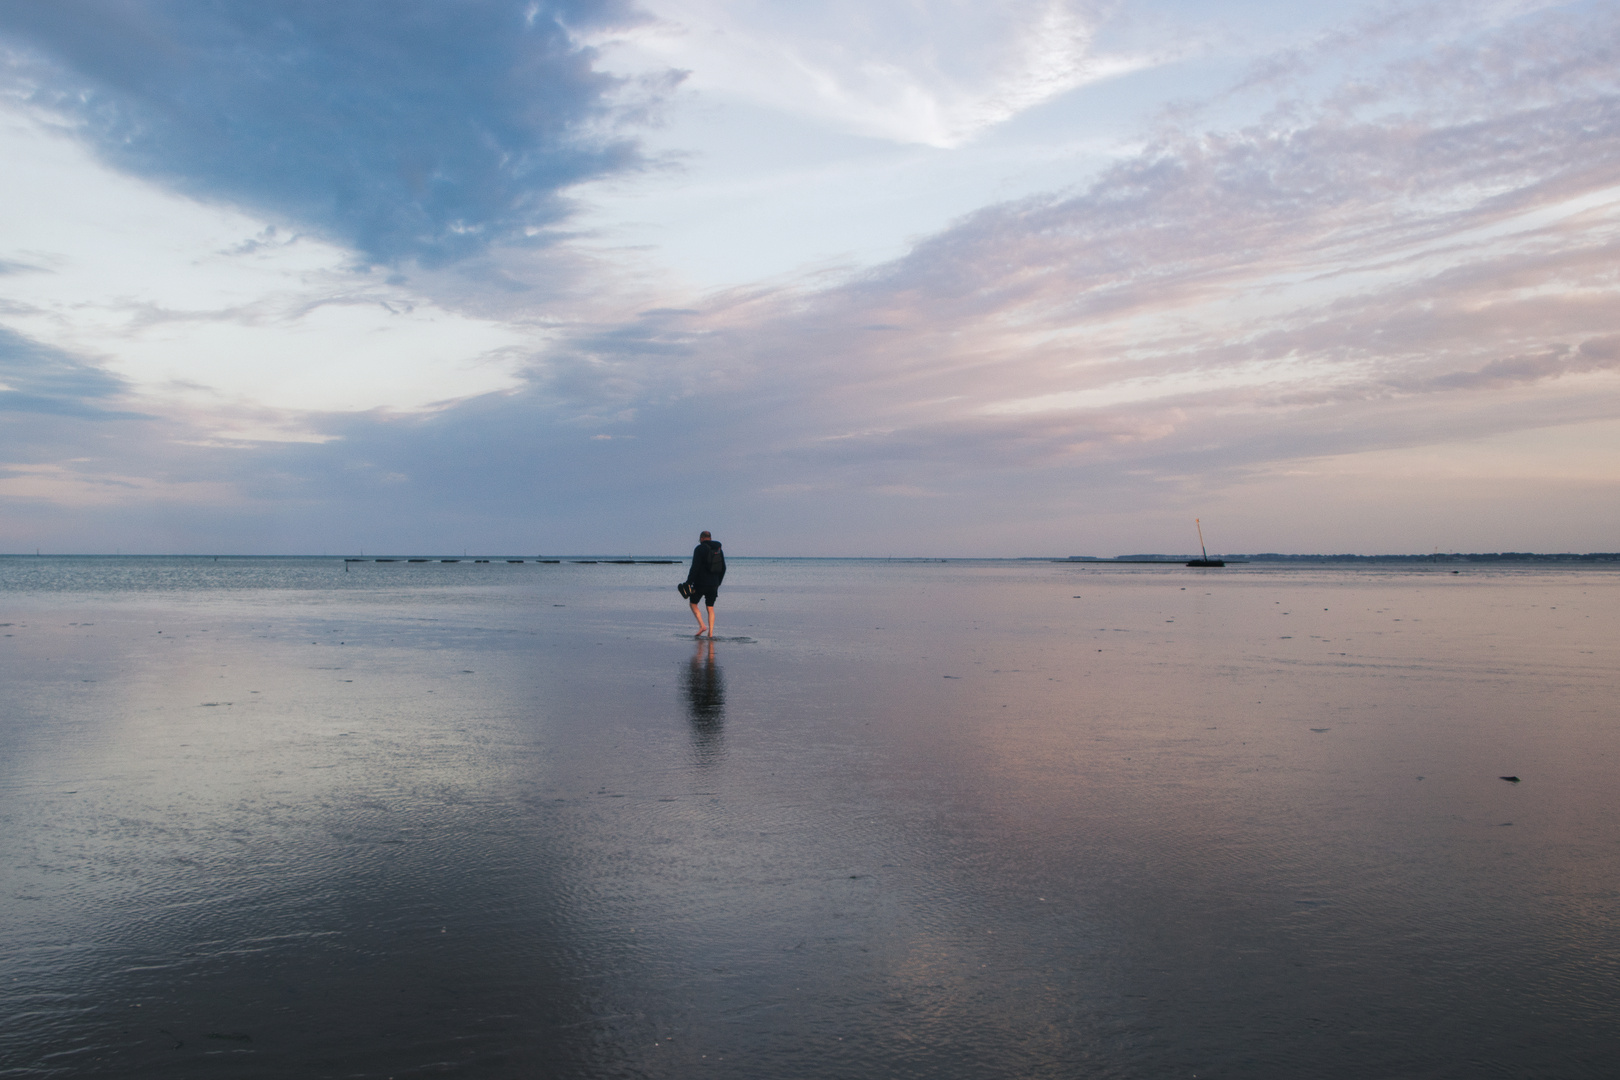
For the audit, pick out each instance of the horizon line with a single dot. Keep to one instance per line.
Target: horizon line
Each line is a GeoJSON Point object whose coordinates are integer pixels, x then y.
{"type": "Point", "coordinates": [1268, 556]}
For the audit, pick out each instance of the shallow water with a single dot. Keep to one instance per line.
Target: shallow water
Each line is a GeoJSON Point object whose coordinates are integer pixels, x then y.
{"type": "Point", "coordinates": [275, 817]}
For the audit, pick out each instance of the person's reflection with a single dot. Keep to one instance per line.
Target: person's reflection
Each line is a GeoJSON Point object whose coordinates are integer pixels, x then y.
{"type": "Point", "coordinates": [706, 703]}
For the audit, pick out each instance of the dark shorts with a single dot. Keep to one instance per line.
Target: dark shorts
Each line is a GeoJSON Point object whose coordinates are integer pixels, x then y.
{"type": "Point", "coordinates": [706, 597]}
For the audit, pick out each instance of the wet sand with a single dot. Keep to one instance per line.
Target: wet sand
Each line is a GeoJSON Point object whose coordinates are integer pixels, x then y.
{"type": "Point", "coordinates": [928, 820]}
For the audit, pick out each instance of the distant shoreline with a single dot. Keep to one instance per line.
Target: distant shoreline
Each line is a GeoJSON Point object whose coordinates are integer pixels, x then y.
{"type": "Point", "coordinates": [1455, 557]}
{"type": "Point", "coordinates": [1084, 560]}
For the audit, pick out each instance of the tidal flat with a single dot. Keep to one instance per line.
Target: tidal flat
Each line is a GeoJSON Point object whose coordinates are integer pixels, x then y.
{"type": "Point", "coordinates": [280, 817]}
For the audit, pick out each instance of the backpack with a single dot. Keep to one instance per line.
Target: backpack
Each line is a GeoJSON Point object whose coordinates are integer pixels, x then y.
{"type": "Point", "coordinates": [717, 562]}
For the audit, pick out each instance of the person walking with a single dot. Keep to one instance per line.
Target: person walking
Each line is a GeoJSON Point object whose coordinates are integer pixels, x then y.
{"type": "Point", "coordinates": [703, 581]}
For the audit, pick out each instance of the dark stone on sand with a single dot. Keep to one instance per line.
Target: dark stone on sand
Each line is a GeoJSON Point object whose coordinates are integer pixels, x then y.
{"type": "Point", "coordinates": [1510, 779]}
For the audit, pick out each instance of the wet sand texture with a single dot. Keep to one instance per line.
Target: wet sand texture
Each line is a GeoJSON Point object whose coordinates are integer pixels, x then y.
{"type": "Point", "coordinates": [948, 820]}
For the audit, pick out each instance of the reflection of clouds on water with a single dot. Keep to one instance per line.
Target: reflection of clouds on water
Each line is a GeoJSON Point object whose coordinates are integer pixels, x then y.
{"type": "Point", "coordinates": [705, 687]}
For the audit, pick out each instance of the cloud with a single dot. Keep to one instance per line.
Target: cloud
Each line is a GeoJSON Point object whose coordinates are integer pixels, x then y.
{"type": "Point", "coordinates": [183, 299]}
{"type": "Point", "coordinates": [405, 130]}
{"type": "Point", "coordinates": [1415, 262]}
{"type": "Point", "coordinates": [1440, 268]}
{"type": "Point", "coordinates": [934, 72]}
{"type": "Point", "coordinates": [36, 378]}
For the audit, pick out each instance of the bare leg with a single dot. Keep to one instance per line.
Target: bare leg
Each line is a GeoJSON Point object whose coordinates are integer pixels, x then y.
{"type": "Point", "coordinates": [699, 617]}
{"type": "Point", "coordinates": [711, 624]}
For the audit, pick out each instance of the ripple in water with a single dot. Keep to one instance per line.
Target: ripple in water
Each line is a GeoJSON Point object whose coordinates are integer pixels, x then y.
{"type": "Point", "coordinates": [923, 820]}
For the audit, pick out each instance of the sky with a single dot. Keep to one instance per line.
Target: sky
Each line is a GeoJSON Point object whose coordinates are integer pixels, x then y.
{"type": "Point", "coordinates": [896, 277]}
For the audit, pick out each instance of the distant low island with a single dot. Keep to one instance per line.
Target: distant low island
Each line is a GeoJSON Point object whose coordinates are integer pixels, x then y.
{"type": "Point", "coordinates": [1437, 557]}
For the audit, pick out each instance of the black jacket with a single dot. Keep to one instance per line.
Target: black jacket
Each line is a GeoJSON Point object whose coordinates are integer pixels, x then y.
{"type": "Point", "coordinates": [699, 577]}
